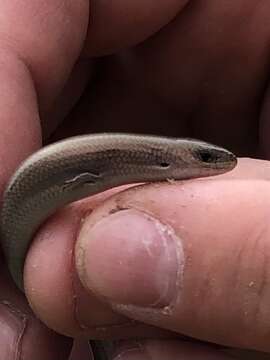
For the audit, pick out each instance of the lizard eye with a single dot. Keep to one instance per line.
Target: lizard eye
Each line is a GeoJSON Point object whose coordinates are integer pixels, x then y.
{"type": "Point", "coordinates": [206, 156]}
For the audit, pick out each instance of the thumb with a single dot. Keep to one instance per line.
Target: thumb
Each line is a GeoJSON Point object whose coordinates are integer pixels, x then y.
{"type": "Point", "coordinates": [189, 257]}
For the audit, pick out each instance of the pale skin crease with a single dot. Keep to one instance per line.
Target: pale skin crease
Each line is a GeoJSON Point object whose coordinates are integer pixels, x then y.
{"type": "Point", "coordinates": [205, 75]}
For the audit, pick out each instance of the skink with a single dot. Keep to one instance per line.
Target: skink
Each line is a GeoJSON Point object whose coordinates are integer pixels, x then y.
{"type": "Point", "coordinates": [81, 166]}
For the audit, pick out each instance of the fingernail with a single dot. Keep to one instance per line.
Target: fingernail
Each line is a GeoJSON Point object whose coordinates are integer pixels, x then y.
{"type": "Point", "coordinates": [130, 258]}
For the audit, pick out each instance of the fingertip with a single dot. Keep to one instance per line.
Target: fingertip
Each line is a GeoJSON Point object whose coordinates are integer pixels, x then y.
{"type": "Point", "coordinates": [221, 226]}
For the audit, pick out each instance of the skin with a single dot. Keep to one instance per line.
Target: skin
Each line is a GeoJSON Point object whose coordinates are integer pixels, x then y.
{"type": "Point", "coordinates": [206, 73]}
{"type": "Point", "coordinates": [83, 166]}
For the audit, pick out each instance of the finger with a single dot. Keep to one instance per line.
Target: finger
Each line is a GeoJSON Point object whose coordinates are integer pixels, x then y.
{"type": "Point", "coordinates": [54, 290]}
{"type": "Point", "coordinates": [53, 126]}
{"type": "Point", "coordinates": [81, 350]}
{"type": "Point", "coordinates": [24, 81]}
{"type": "Point", "coordinates": [165, 349]}
{"type": "Point", "coordinates": [21, 334]}
{"type": "Point", "coordinates": [191, 258]}
{"type": "Point", "coordinates": [20, 129]}
{"type": "Point", "coordinates": [168, 259]}
{"type": "Point", "coordinates": [43, 42]}
{"type": "Point", "coordinates": [129, 22]}
{"type": "Point", "coordinates": [194, 76]}
{"type": "Point", "coordinates": [20, 331]}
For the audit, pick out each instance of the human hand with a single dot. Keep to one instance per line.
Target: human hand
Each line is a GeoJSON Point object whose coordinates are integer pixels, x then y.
{"type": "Point", "coordinates": [205, 75]}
